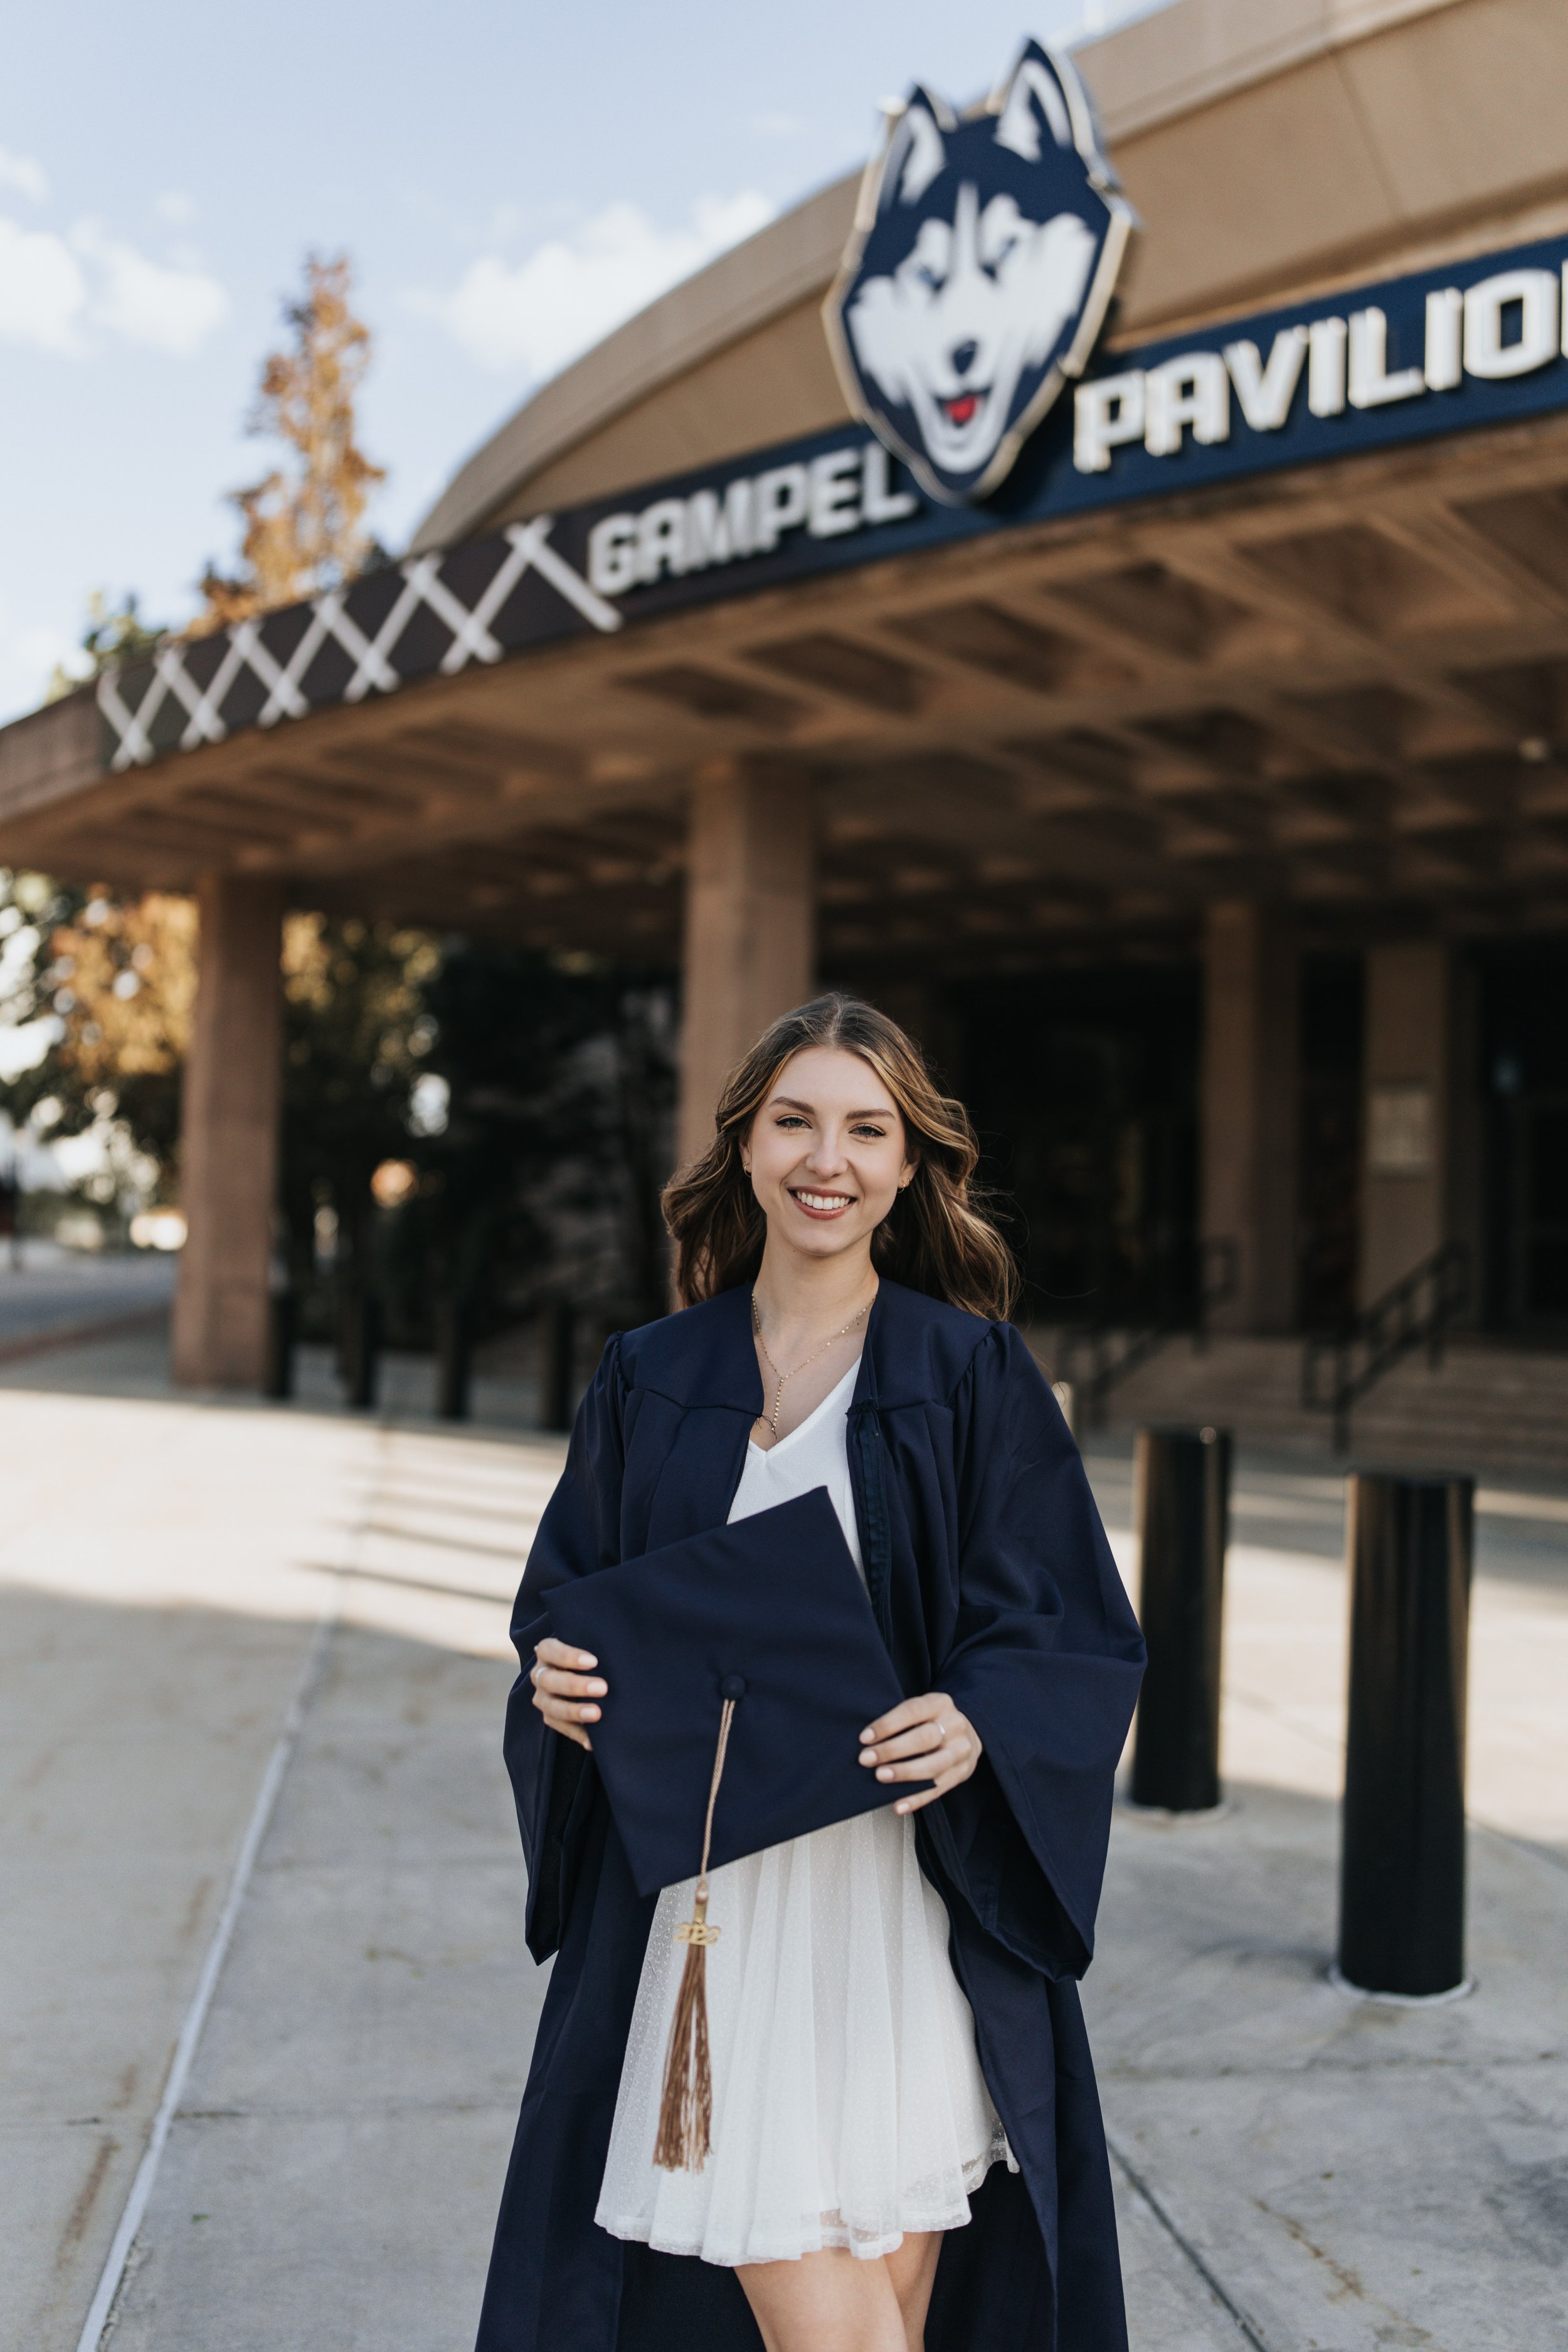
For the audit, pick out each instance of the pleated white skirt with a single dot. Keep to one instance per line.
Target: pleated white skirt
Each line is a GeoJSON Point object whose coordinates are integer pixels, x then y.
{"type": "Point", "coordinates": [848, 2103]}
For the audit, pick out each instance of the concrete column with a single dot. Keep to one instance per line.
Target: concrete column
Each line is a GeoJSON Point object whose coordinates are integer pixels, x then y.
{"type": "Point", "coordinates": [1407, 1110]}
{"type": "Point", "coordinates": [750, 920]}
{"type": "Point", "coordinates": [1250, 1108]}
{"type": "Point", "coordinates": [228, 1149]}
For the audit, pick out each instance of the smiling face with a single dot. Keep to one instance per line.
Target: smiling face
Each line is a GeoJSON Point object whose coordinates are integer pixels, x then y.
{"type": "Point", "coordinates": [826, 1155]}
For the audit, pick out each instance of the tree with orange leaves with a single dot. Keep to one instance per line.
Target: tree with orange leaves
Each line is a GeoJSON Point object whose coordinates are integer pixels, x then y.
{"type": "Point", "coordinates": [304, 522]}
{"type": "Point", "coordinates": [114, 981]}
{"type": "Point", "coordinates": [115, 978]}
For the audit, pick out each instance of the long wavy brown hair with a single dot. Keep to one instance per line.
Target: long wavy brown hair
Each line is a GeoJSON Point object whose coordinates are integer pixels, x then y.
{"type": "Point", "coordinates": [937, 1237]}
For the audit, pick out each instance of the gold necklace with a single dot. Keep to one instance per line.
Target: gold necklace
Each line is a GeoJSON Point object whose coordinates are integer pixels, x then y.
{"type": "Point", "coordinates": [772, 1418]}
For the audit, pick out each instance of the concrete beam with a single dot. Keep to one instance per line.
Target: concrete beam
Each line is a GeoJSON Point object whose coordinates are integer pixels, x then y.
{"type": "Point", "coordinates": [230, 1137]}
{"type": "Point", "coordinates": [1249, 1109]}
{"type": "Point", "coordinates": [50, 755]}
{"type": "Point", "coordinates": [750, 924]}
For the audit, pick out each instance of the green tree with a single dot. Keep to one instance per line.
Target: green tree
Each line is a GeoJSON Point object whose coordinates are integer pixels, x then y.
{"type": "Point", "coordinates": [355, 1030]}
{"type": "Point", "coordinates": [116, 979]}
{"type": "Point", "coordinates": [115, 634]}
{"type": "Point", "coordinates": [542, 1182]}
{"type": "Point", "coordinates": [515, 1125]}
{"type": "Point", "coordinates": [106, 981]}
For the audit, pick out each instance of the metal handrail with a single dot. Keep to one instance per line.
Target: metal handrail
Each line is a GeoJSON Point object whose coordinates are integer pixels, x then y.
{"type": "Point", "coordinates": [1415, 1312]}
{"type": "Point", "coordinates": [1218, 1274]}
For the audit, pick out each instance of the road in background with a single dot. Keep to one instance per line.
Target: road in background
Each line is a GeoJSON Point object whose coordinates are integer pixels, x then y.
{"type": "Point", "coordinates": [54, 1290]}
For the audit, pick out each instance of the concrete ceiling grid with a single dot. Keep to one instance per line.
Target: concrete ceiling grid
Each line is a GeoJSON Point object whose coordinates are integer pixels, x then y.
{"type": "Point", "coordinates": [1317, 694]}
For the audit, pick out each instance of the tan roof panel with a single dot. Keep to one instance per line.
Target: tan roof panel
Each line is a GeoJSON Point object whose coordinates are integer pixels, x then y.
{"type": "Point", "coordinates": [734, 358]}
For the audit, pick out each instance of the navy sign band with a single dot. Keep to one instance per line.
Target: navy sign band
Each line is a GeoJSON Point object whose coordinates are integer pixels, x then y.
{"type": "Point", "coordinates": [1468, 345]}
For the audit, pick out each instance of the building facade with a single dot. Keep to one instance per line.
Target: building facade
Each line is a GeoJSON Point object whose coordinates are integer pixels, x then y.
{"type": "Point", "coordinates": [1199, 794]}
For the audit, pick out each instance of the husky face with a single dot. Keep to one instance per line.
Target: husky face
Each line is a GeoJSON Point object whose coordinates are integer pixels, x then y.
{"type": "Point", "coordinates": [978, 301]}
{"type": "Point", "coordinates": [983, 260]}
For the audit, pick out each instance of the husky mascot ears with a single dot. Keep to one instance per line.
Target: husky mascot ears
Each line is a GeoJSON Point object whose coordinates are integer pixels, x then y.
{"type": "Point", "coordinates": [985, 251]}
{"type": "Point", "coordinates": [916, 150]}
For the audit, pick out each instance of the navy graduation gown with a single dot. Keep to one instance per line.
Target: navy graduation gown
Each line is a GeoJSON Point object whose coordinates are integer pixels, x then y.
{"type": "Point", "coordinates": [990, 1580]}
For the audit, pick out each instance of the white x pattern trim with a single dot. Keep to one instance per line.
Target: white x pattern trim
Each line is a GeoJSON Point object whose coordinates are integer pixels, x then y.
{"type": "Point", "coordinates": [472, 640]}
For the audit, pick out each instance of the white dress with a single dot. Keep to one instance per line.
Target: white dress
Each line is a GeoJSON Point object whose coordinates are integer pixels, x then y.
{"type": "Point", "coordinates": [848, 2105]}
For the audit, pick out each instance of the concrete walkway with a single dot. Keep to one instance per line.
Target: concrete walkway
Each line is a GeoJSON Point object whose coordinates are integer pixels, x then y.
{"type": "Point", "coordinates": [185, 1585]}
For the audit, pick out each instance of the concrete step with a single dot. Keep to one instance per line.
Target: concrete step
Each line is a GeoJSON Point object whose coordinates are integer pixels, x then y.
{"type": "Point", "coordinates": [1486, 1406]}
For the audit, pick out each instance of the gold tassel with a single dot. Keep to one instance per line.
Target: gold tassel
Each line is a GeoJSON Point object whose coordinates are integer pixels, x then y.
{"type": "Point", "coordinates": [686, 2109]}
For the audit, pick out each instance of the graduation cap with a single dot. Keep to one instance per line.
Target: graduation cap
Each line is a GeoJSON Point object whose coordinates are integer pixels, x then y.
{"type": "Point", "coordinates": [743, 1666]}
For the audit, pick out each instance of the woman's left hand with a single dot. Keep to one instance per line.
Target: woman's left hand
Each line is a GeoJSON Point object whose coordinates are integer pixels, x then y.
{"type": "Point", "coordinates": [922, 1740]}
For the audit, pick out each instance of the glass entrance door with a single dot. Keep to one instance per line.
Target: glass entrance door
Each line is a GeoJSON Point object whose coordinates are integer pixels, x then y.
{"type": "Point", "coordinates": [1525, 1077]}
{"type": "Point", "coordinates": [1329, 1196]}
{"type": "Point", "coordinates": [1083, 1087]}
{"type": "Point", "coordinates": [1536, 1242]}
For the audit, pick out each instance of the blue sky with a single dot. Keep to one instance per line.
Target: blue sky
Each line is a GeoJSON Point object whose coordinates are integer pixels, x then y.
{"type": "Point", "coordinates": [509, 181]}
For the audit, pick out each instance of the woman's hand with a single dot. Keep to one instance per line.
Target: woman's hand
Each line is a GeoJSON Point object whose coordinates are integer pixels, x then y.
{"type": "Point", "coordinates": [563, 1681]}
{"type": "Point", "coordinates": [922, 1740]}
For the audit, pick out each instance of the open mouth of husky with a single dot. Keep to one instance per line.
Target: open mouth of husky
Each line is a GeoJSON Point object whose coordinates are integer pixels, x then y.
{"type": "Point", "coordinates": [963, 408]}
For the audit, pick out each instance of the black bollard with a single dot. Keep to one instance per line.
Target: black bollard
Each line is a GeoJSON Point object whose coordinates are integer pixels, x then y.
{"type": "Point", "coordinates": [1183, 1524]}
{"type": "Point", "coordinates": [454, 1360]}
{"type": "Point", "coordinates": [283, 1318]}
{"type": "Point", "coordinates": [362, 1347]}
{"type": "Point", "coordinates": [559, 1364]}
{"type": "Point", "coordinates": [1402, 1865]}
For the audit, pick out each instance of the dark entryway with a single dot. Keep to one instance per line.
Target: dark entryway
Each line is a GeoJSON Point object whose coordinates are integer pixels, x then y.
{"type": "Point", "coordinates": [1524, 1082]}
{"type": "Point", "coordinates": [1083, 1086]}
{"type": "Point", "coordinates": [1334, 992]}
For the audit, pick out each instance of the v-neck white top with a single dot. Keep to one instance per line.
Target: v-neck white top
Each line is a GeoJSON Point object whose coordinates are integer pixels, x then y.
{"type": "Point", "coordinates": [848, 2103]}
{"type": "Point", "coordinates": [816, 1454]}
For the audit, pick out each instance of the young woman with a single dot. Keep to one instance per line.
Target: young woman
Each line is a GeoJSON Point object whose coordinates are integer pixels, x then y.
{"type": "Point", "coordinates": [907, 2149]}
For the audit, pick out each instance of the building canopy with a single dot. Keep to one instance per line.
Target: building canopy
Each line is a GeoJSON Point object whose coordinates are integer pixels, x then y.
{"type": "Point", "coordinates": [1273, 608]}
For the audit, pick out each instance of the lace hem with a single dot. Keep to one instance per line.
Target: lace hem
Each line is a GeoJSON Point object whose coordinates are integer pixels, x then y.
{"type": "Point", "coordinates": [827, 2229]}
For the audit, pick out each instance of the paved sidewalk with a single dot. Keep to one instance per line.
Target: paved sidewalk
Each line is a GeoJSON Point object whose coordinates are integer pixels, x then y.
{"type": "Point", "coordinates": [1350, 2174]}
{"type": "Point", "coordinates": [1295, 2170]}
{"type": "Point", "coordinates": [171, 1574]}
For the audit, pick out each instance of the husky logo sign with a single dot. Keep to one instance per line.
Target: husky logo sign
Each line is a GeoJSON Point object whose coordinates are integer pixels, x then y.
{"type": "Point", "coordinates": [984, 254]}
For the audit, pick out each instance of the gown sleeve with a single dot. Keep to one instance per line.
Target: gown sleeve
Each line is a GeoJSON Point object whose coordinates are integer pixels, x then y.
{"type": "Point", "coordinates": [553, 1781]}
{"type": "Point", "coordinates": [1046, 1662]}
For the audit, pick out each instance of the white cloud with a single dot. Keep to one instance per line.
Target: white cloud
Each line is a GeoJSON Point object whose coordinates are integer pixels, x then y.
{"type": "Point", "coordinates": [175, 207]}
{"type": "Point", "coordinates": [42, 289]}
{"type": "Point", "coordinates": [172, 310]}
{"type": "Point", "coordinates": [572, 289]}
{"type": "Point", "coordinates": [20, 172]}
{"type": "Point", "coordinates": [53, 290]}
